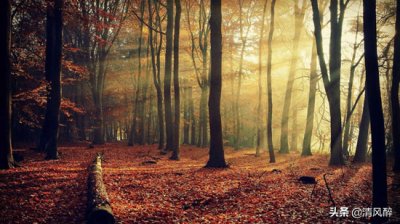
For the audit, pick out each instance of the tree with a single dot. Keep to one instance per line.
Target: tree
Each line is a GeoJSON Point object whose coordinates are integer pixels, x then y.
{"type": "Point", "coordinates": [362, 141]}
{"type": "Point", "coordinates": [216, 153]}
{"type": "Point", "coordinates": [155, 42]}
{"type": "Point", "coordinates": [269, 86]}
{"type": "Point", "coordinates": [243, 38]}
{"type": "Point", "coordinates": [134, 135]}
{"type": "Point", "coordinates": [200, 53]}
{"type": "Point", "coordinates": [298, 27]}
{"type": "Point", "coordinates": [175, 148]}
{"type": "Point", "coordinates": [394, 97]}
{"type": "Point", "coordinates": [48, 140]}
{"type": "Point", "coordinates": [167, 77]}
{"type": "Point", "coordinates": [331, 79]}
{"type": "Point", "coordinates": [379, 179]}
{"type": "Point", "coordinates": [6, 156]}
{"type": "Point", "coordinates": [306, 150]}
{"type": "Point", "coordinates": [102, 22]}
{"type": "Point", "coordinates": [353, 66]}
{"type": "Point", "coordinates": [259, 116]}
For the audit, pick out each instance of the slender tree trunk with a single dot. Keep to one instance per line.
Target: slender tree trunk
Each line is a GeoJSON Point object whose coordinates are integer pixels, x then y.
{"type": "Point", "coordinates": [394, 97]}
{"type": "Point", "coordinates": [306, 151]}
{"type": "Point", "coordinates": [353, 66]}
{"type": "Point", "coordinates": [192, 117]}
{"type": "Point", "coordinates": [299, 15]}
{"type": "Point", "coordinates": [259, 116]}
{"type": "Point", "coordinates": [156, 76]}
{"type": "Point", "coordinates": [269, 85]}
{"type": "Point", "coordinates": [362, 141]}
{"type": "Point", "coordinates": [6, 156]}
{"type": "Point", "coordinates": [293, 142]}
{"type": "Point", "coordinates": [167, 78]}
{"type": "Point", "coordinates": [53, 76]}
{"type": "Point", "coordinates": [175, 153]}
{"type": "Point", "coordinates": [216, 154]}
{"type": "Point", "coordinates": [142, 123]}
{"type": "Point", "coordinates": [204, 123]}
{"type": "Point", "coordinates": [379, 184]}
{"type": "Point", "coordinates": [186, 116]}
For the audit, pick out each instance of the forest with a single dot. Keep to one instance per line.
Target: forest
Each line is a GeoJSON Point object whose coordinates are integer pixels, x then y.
{"type": "Point", "coordinates": [199, 111]}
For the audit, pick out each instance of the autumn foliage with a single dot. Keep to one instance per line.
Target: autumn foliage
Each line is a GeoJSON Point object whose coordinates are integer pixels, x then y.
{"type": "Point", "coordinates": [146, 187]}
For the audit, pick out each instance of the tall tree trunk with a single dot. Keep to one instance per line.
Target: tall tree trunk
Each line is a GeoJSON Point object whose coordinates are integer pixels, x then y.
{"type": "Point", "coordinates": [155, 56]}
{"type": "Point", "coordinates": [331, 80]}
{"type": "Point", "coordinates": [362, 141]}
{"type": "Point", "coordinates": [394, 96]}
{"type": "Point", "coordinates": [259, 116]}
{"type": "Point", "coordinates": [142, 123]}
{"type": "Point", "coordinates": [353, 66]}
{"type": "Point", "coordinates": [306, 151]}
{"type": "Point", "coordinates": [379, 179]}
{"type": "Point", "coordinates": [6, 156]}
{"type": "Point", "coordinates": [167, 77]}
{"type": "Point", "coordinates": [299, 15]}
{"type": "Point", "coordinates": [53, 76]}
{"type": "Point", "coordinates": [216, 153]}
{"type": "Point", "coordinates": [269, 85]}
{"type": "Point", "coordinates": [176, 150]}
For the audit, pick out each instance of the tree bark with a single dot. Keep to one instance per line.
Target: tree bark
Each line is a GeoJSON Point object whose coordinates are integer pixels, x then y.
{"type": "Point", "coordinates": [306, 151]}
{"type": "Point", "coordinates": [394, 96]}
{"type": "Point", "coordinates": [53, 77]}
{"type": "Point", "coordinates": [6, 156]}
{"type": "Point", "coordinates": [175, 150]}
{"type": "Point", "coordinates": [167, 77]}
{"type": "Point", "coordinates": [379, 185]}
{"type": "Point", "coordinates": [99, 208]}
{"type": "Point", "coordinates": [216, 153]}
{"type": "Point", "coordinates": [269, 85]}
{"type": "Point", "coordinates": [362, 141]}
{"type": "Point", "coordinates": [186, 116]}
{"type": "Point", "coordinates": [192, 117]}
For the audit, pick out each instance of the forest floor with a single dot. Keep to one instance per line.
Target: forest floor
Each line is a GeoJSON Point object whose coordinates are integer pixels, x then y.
{"type": "Point", "coordinates": [146, 187]}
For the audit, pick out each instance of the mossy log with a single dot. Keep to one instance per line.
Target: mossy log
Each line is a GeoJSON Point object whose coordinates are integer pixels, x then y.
{"type": "Point", "coordinates": [99, 208]}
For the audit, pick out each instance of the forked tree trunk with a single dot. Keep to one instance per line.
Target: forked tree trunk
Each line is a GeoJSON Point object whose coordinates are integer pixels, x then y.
{"type": "Point", "coordinates": [155, 61]}
{"type": "Point", "coordinates": [331, 79]}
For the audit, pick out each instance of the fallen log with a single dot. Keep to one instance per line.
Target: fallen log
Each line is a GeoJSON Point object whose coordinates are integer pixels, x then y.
{"type": "Point", "coordinates": [99, 208]}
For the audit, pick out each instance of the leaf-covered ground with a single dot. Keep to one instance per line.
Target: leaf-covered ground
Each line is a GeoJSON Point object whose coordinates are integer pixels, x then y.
{"type": "Point", "coordinates": [146, 187]}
